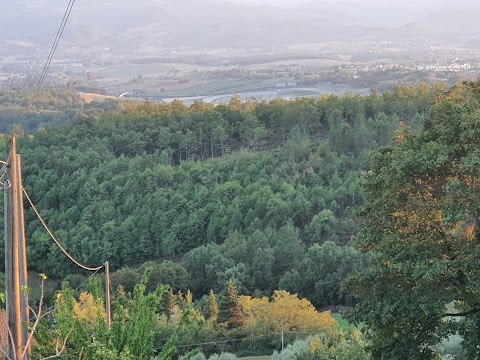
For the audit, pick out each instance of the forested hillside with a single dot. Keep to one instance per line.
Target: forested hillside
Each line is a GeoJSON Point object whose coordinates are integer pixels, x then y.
{"type": "Point", "coordinates": [53, 106]}
{"type": "Point", "coordinates": [265, 194]}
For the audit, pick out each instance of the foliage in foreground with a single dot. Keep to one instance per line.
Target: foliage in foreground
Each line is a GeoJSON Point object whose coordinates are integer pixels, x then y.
{"type": "Point", "coordinates": [334, 346]}
{"type": "Point", "coordinates": [76, 328]}
{"type": "Point", "coordinates": [244, 325]}
{"type": "Point", "coordinates": [83, 323]}
{"type": "Point", "coordinates": [422, 230]}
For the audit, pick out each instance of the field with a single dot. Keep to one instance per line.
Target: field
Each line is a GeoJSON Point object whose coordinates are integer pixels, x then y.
{"type": "Point", "coordinates": [224, 87]}
{"type": "Point", "coordinates": [122, 71]}
{"type": "Point", "coordinates": [325, 63]}
{"type": "Point", "coordinates": [211, 74]}
{"type": "Point", "coordinates": [94, 97]}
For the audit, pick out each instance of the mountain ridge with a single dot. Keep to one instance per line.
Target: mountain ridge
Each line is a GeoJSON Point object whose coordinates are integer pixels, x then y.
{"type": "Point", "coordinates": [222, 24]}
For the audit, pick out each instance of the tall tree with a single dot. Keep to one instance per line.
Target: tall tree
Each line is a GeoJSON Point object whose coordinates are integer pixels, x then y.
{"type": "Point", "coordinates": [422, 229]}
{"type": "Point", "coordinates": [212, 304]}
{"type": "Point", "coordinates": [231, 314]}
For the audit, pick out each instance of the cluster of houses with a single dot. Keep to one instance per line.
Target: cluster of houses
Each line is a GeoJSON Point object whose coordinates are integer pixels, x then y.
{"type": "Point", "coordinates": [453, 67]}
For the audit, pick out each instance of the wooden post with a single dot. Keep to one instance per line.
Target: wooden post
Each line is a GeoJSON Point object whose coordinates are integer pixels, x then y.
{"type": "Point", "coordinates": [22, 255]}
{"type": "Point", "coordinates": [15, 255]}
{"type": "Point", "coordinates": [107, 295]}
{"type": "Point", "coordinates": [283, 348]}
{"type": "Point", "coordinates": [9, 277]}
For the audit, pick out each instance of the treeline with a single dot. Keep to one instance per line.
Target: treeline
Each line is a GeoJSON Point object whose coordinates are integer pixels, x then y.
{"type": "Point", "coordinates": [264, 194]}
{"type": "Point", "coordinates": [202, 131]}
{"type": "Point", "coordinates": [53, 106]}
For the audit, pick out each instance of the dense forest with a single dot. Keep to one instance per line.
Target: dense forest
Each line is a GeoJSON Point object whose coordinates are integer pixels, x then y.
{"type": "Point", "coordinates": [247, 200]}
{"type": "Point", "coordinates": [254, 192]}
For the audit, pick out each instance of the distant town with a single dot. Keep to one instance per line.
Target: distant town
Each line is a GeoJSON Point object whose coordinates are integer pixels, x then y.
{"type": "Point", "coordinates": [172, 73]}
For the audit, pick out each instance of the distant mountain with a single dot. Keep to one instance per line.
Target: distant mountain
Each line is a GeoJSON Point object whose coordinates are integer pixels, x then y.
{"type": "Point", "coordinates": [187, 23]}
{"type": "Point", "coordinates": [472, 44]}
{"type": "Point", "coordinates": [149, 24]}
{"type": "Point", "coordinates": [451, 25]}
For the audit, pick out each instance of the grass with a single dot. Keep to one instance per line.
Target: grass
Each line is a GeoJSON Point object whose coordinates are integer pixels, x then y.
{"type": "Point", "coordinates": [217, 87]}
{"type": "Point", "coordinates": [342, 323]}
{"type": "Point", "coordinates": [154, 81]}
{"type": "Point", "coordinates": [265, 357]}
{"type": "Point", "coordinates": [129, 70]}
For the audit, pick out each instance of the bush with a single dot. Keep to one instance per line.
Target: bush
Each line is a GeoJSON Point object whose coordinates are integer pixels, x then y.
{"type": "Point", "coordinates": [291, 351]}
{"type": "Point", "coordinates": [336, 347]}
{"type": "Point", "coordinates": [194, 355]}
{"type": "Point", "coordinates": [223, 356]}
{"type": "Point", "coordinates": [198, 355]}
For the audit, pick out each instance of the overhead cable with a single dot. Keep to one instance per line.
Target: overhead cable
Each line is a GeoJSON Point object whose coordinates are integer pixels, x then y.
{"type": "Point", "coordinates": [222, 341]}
{"type": "Point", "coordinates": [55, 239]}
{"type": "Point", "coordinates": [54, 307]}
{"type": "Point", "coordinates": [244, 338]}
{"type": "Point", "coordinates": [66, 15]}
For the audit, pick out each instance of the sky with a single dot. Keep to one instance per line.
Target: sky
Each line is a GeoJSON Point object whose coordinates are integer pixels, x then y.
{"type": "Point", "coordinates": [115, 16]}
{"type": "Point", "coordinates": [278, 3]}
{"type": "Point", "coordinates": [294, 3]}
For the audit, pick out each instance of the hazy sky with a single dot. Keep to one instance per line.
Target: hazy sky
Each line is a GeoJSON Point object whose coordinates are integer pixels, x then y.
{"type": "Point", "coordinates": [282, 3]}
{"type": "Point", "coordinates": [381, 3]}
{"type": "Point", "coordinates": [113, 17]}
{"type": "Point", "coordinates": [293, 3]}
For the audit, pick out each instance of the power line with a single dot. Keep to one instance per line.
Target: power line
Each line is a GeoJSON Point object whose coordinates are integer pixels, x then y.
{"type": "Point", "coordinates": [54, 307]}
{"type": "Point", "coordinates": [66, 15]}
{"type": "Point", "coordinates": [222, 341]}
{"type": "Point", "coordinates": [52, 52]}
{"type": "Point", "coordinates": [88, 279]}
{"type": "Point", "coordinates": [246, 338]}
{"type": "Point", "coordinates": [304, 332]}
{"type": "Point", "coordinates": [55, 239]}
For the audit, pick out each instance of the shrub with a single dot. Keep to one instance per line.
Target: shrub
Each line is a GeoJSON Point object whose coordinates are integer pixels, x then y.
{"type": "Point", "coordinates": [291, 351]}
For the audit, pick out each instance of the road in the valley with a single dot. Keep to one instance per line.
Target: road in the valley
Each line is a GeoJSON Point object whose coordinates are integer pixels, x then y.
{"type": "Point", "coordinates": [264, 95]}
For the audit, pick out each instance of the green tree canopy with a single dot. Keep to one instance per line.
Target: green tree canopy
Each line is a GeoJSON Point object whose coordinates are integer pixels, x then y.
{"type": "Point", "coordinates": [422, 228]}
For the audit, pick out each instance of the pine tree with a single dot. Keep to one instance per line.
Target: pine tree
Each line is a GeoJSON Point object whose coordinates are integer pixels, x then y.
{"type": "Point", "coordinates": [212, 299]}
{"type": "Point", "coordinates": [231, 314]}
{"type": "Point", "coordinates": [189, 297]}
{"type": "Point", "coordinates": [170, 303]}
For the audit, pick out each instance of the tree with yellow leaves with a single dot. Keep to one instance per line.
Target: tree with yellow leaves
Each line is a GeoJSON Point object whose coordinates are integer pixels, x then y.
{"type": "Point", "coordinates": [88, 309]}
{"type": "Point", "coordinates": [213, 307]}
{"type": "Point", "coordinates": [285, 312]}
{"type": "Point", "coordinates": [82, 323]}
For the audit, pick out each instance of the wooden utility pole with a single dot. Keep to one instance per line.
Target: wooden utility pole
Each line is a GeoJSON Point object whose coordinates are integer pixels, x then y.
{"type": "Point", "coordinates": [15, 255]}
{"type": "Point", "coordinates": [107, 295]}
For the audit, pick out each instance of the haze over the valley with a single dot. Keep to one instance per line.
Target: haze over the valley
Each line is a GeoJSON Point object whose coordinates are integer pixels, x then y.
{"type": "Point", "coordinates": [267, 24]}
